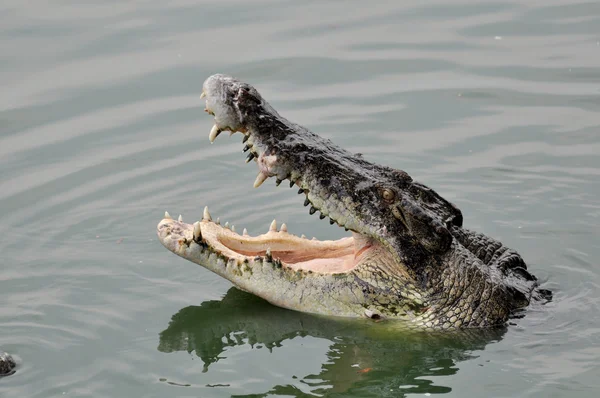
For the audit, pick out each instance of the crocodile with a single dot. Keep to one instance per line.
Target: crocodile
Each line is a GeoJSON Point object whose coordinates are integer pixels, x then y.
{"type": "Point", "coordinates": [408, 256]}
{"type": "Point", "coordinates": [7, 364]}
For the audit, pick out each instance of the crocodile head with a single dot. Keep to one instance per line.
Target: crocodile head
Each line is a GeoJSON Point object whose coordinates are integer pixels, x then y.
{"type": "Point", "coordinates": [407, 256]}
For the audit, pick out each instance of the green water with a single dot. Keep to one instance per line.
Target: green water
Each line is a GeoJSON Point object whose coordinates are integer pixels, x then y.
{"type": "Point", "coordinates": [496, 105]}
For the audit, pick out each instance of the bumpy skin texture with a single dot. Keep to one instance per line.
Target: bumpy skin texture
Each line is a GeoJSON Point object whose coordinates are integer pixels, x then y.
{"type": "Point", "coordinates": [427, 269]}
{"type": "Point", "coordinates": [7, 364]}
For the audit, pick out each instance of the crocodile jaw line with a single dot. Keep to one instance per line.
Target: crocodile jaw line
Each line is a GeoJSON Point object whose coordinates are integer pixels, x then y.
{"type": "Point", "coordinates": [277, 247]}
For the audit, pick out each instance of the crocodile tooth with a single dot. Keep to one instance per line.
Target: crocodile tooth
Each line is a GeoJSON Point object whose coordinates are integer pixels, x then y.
{"type": "Point", "coordinates": [304, 236]}
{"type": "Point", "coordinates": [245, 233]}
{"type": "Point", "coordinates": [273, 226]}
{"type": "Point", "coordinates": [268, 255]}
{"type": "Point", "coordinates": [260, 178]}
{"type": "Point", "coordinates": [313, 238]}
{"type": "Point", "coordinates": [250, 157]}
{"type": "Point", "coordinates": [312, 210]}
{"type": "Point", "coordinates": [292, 182]}
{"type": "Point", "coordinates": [218, 222]}
{"type": "Point", "coordinates": [300, 191]}
{"type": "Point", "coordinates": [226, 224]}
{"type": "Point", "coordinates": [232, 228]}
{"type": "Point", "coordinates": [168, 216]}
{"type": "Point", "coordinates": [306, 202]}
{"type": "Point", "coordinates": [214, 133]}
{"type": "Point", "coordinates": [245, 138]}
{"type": "Point", "coordinates": [246, 148]}
{"type": "Point", "coordinates": [331, 221]}
{"type": "Point", "coordinates": [180, 219]}
{"type": "Point", "coordinates": [197, 232]}
{"type": "Point", "coordinates": [206, 216]}
{"type": "Point", "coordinates": [278, 181]}
{"type": "Point", "coordinates": [322, 216]}
{"type": "Point", "coordinates": [283, 228]}
{"type": "Point", "coordinates": [202, 95]}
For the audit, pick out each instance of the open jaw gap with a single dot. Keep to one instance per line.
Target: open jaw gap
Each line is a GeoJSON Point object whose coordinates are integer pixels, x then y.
{"type": "Point", "coordinates": [278, 246]}
{"type": "Point", "coordinates": [408, 258]}
{"type": "Point", "coordinates": [293, 252]}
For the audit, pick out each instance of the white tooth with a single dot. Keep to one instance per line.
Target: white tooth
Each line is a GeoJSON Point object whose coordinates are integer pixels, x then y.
{"type": "Point", "coordinates": [180, 219]}
{"type": "Point", "coordinates": [206, 216]}
{"type": "Point", "coordinates": [227, 224]}
{"type": "Point", "coordinates": [168, 216]}
{"type": "Point", "coordinates": [218, 220]}
{"type": "Point", "coordinates": [214, 132]}
{"type": "Point", "coordinates": [283, 228]}
{"type": "Point", "coordinates": [245, 233]}
{"type": "Point", "coordinates": [197, 231]}
{"type": "Point", "coordinates": [314, 238]}
{"type": "Point", "coordinates": [260, 178]}
{"type": "Point", "coordinates": [233, 228]}
{"type": "Point", "coordinates": [273, 226]}
{"type": "Point", "coordinates": [303, 236]}
{"type": "Point", "coordinates": [202, 95]}
{"type": "Point", "coordinates": [268, 252]}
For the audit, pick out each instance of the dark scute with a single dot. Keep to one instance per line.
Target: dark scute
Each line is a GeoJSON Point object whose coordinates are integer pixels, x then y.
{"type": "Point", "coordinates": [429, 199]}
{"type": "Point", "coordinates": [523, 273]}
{"type": "Point", "coordinates": [438, 240]}
{"type": "Point", "coordinates": [517, 296]}
{"type": "Point", "coordinates": [455, 219]}
{"type": "Point", "coordinates": [425, 228]}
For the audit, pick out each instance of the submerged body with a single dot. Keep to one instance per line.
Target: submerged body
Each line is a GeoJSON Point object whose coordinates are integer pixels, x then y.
{"type": "Point", "coordinates": [408, 256]}
{"type": "Point", "coordinates": [7, 364]}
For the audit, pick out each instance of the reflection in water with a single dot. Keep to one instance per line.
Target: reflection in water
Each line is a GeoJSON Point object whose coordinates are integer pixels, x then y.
{"type": "Point", "coordinates": [391, 360]}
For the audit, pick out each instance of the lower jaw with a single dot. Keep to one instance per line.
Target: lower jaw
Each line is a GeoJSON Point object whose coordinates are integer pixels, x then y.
{"type": "Point", "coordinates": [291, 251]}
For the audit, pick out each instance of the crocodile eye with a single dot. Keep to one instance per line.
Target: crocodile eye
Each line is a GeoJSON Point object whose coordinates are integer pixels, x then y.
{"type": "Point", "coordinates": [388, 194]}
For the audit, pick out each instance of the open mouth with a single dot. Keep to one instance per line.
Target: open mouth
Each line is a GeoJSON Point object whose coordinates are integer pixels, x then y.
{"type": "Point", "coordinates": [276, 246]}
{"type": "Point", "coordinates": [406, 258]}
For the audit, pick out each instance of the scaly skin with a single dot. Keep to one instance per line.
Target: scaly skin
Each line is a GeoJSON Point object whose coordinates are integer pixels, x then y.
{"type": "Point", "coordinates": [408, 259]}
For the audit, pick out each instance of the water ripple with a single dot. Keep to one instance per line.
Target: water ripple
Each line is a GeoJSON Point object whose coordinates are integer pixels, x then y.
{"type": "Point", "coordinates": [495, 105]}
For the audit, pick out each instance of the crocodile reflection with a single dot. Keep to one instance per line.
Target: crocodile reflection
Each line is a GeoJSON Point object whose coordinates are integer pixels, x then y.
{"type": "Point", "coordinates": [400, 360]}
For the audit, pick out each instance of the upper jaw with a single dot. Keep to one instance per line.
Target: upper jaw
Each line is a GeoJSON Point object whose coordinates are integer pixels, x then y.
{"type": "Point", "coordinates": [238, 107]}
{"type": "Point", "coordinates": [269, 139]}
{"type": "Point", "coordinates": [287, 151]}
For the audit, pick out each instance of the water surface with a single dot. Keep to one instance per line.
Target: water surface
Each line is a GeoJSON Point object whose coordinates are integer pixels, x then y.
{"type": "Point", "coordinates": [493, 104]}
